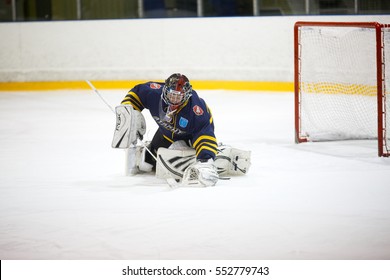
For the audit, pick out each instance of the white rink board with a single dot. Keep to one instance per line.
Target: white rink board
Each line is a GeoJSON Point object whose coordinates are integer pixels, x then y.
{"type": "Point", "coordinates": [242, 48]}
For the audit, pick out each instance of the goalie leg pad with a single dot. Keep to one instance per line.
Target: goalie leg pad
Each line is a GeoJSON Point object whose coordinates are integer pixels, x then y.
{"type": "Point", "coordinates": [131, 160]}
{"type": "Point", "coordinates": [173, 163]}
{"type": "Point", "coordinates": [143, 166]}
{"type": "Point", "coordinates": [135, 161]}
{"type": "Point", "coordinates": [130, 126]}
{"type": "Point", "coordinates": [231, 161]}
{"type": "Point", "coordinates": [180, 145]}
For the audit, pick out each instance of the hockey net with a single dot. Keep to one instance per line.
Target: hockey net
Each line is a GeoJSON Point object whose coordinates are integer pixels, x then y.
{"type": "Point", "coordinates": [342, 73]}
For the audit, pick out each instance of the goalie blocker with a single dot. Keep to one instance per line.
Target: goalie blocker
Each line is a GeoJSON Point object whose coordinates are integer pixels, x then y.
{"type": "Point", "coordinates": [130, 126]}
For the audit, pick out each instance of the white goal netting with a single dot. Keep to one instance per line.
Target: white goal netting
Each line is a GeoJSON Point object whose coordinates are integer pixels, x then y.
{"type": "Point", "coordinates": [338, 86]}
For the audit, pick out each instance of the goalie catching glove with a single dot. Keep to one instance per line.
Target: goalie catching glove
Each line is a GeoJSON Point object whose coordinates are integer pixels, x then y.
{"type": "Point", "coordinates": [130, 126]}
{"type": "Point", "coordinates": [201, 173]}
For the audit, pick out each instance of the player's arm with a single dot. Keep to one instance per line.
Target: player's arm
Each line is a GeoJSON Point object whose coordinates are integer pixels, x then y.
{"type": "Point", "coordinates": [205, 145]}
{"type": "Point", "coordinates": [135, 98]}
{"type": "Point", "coordinates": [204, 140]}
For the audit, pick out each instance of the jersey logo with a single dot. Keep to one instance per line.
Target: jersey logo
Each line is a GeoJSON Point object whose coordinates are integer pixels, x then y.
{"type": "Point", "coordinates": [183, 122]}
{"type": "Point", "coordinates": [197, 110]}
{"type": "Point", "coordinates": [155, 86]}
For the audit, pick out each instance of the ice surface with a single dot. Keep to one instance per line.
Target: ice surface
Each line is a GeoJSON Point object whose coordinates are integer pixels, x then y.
{"type": "Point", "coordinates": [63, 194]}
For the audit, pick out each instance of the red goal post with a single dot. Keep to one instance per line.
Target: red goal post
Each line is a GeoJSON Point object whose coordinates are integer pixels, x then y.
{"type": "Point", "coordinates": [341, 73]}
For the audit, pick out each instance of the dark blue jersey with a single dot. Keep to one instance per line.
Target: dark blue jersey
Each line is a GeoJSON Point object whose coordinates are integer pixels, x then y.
{"type": "Point", "coordinates": [192, 121]}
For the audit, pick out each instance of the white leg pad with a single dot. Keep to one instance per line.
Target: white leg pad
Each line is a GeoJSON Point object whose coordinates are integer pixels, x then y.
{"type": "Point", "coordinates": [231, 161]}
{"type": "Point", "coordinates": [135, 161]}
{"type": "Point", "coordinates": [131, 160]}
{"type": "Point", "coordinates": [172, 163]}
{"type": "Point", "coordinates": [143, 166]}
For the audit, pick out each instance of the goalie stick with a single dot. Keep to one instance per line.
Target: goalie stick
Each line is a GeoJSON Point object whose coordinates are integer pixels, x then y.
{"type": "Point", "coordinates": [101, 97]}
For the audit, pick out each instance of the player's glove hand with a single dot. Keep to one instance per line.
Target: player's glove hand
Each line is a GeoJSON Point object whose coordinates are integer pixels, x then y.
{"type": "Point", "coordinates": [203, 173]}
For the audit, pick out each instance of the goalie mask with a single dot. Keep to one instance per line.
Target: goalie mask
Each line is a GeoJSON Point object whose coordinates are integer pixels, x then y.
{"type": "Point", "coordinates": [176, 91]}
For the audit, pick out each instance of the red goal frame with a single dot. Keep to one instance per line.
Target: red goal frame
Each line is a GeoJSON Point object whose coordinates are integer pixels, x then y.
{"type": "Point", "coordinates": [383, 150]}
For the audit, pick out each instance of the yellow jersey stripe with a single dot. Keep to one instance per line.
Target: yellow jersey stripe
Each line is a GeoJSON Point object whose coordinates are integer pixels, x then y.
{"type": "Point", "coordinates": [132, 104]}
{"type": "Point", "coordinates": [136, 97]}
{"type": "Point", "coordinates": [210, 145]}
{"type": "Point", "coordinates": [205, 148]}
{"type": "Point", "coordinates": [132, 99]}
{"type": "Point", "coordinates": [181, 107]}
{"type": "Point", "coordinates": [211, 115]}
{"type": "Point", "coordinates": [204, 137]}
{"type": "Point", "coordinates": [167, 138]}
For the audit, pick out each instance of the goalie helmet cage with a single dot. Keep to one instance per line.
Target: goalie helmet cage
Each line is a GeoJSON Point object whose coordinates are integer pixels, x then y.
{"type": "Point", "coordinates": [341, 73]}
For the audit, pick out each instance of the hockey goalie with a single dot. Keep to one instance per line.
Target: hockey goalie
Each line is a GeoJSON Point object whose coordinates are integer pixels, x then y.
{"type": "Point", "coordinates": [184, 147]}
